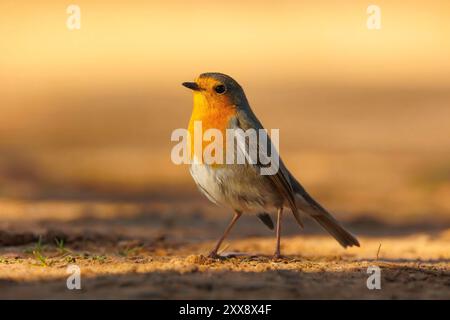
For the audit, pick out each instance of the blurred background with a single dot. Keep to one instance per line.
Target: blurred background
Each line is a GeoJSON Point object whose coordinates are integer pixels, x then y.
{"type": "Point", "coordinates": [364, 115]}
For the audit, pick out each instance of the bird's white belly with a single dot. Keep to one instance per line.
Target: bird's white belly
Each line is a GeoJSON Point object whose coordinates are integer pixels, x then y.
{"type": "Point", "coordinates": [234, 186]}
{"type": "Point", "coordinates": [206, 179]}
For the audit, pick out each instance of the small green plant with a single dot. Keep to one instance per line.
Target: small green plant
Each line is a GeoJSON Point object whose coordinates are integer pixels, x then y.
{"type": "Point", "coordinates": [130, 251]}
{"type": "Point", "coordinates": [60, 245]}
{"type": "Point", "coordinates": [36, 251]}
{"type": "Point", "coordinates": [40, 257]}
{"type": "Point", "coordinates": [99, 258]}
{"type": "Point", "coordinates": [37, 247]}
{"type": "Point", "coordinates": [70, 259]}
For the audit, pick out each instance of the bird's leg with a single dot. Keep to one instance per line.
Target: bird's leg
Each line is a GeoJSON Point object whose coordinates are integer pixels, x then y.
{"type": "Point", "coordinates": [213, 253]}
{"type": "Point", "coordinates": [277, 254]}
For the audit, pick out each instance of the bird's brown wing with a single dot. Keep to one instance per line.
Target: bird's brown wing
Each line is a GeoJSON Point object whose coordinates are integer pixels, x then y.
{"type": "Point", "coordinates": [283, 185]}
{"type": "Point", "coordinates": [280, 180]}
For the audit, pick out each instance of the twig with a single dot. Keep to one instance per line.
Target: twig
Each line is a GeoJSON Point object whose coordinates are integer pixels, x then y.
{"type": "Point", "coordinates": [378, 252]}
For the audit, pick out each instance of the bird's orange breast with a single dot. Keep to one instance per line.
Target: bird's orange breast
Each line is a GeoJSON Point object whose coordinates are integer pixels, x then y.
{"type": "Point", "coordinates": [212, 115]}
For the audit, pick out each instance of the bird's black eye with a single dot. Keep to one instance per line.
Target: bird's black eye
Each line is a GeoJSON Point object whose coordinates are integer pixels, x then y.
{"type": "Point", "coordinates": [220, 89]}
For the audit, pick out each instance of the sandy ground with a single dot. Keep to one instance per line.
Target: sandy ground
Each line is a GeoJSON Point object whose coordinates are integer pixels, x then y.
{"type": "Point", "coordinates": [157, 249]}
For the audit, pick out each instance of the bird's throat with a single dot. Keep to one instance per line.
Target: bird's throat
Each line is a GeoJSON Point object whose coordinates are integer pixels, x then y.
{"type": "Point", "coordinates": [215, 115]}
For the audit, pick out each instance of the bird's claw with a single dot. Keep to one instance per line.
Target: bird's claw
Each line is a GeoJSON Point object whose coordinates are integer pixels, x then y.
{"type": "Point", "coordinates": [276, 256]}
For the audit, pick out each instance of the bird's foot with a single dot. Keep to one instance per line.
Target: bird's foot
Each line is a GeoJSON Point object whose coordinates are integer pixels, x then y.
{"type": "Point", "coordinates": [277, 256]}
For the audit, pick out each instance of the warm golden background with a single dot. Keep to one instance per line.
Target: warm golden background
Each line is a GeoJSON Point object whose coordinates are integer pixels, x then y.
{"type": "Point", "coordinates": [85, 169]}
{"type": "Point", "coordinates": [364, 114]}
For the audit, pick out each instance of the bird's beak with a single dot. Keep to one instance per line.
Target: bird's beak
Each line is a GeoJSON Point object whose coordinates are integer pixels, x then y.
{"type": "Point", "coordinates": [191, 85]}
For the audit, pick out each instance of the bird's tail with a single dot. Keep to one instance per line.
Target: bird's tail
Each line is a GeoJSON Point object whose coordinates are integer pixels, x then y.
{"type": "Point", "coordinates": [311, 207]}
{"type": "Point", "coordinates": [329, 223]}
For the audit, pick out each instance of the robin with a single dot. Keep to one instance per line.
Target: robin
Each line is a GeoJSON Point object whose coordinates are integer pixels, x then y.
{"type": "Point", "coordinates": [220, 103]}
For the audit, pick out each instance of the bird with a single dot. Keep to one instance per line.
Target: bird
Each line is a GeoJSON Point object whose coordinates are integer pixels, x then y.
{"type": "Point", "coordinates": [219, 102]}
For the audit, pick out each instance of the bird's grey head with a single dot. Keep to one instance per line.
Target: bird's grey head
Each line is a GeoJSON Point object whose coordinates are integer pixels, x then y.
{"type": "Point", "coordinates": [219, 88]}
